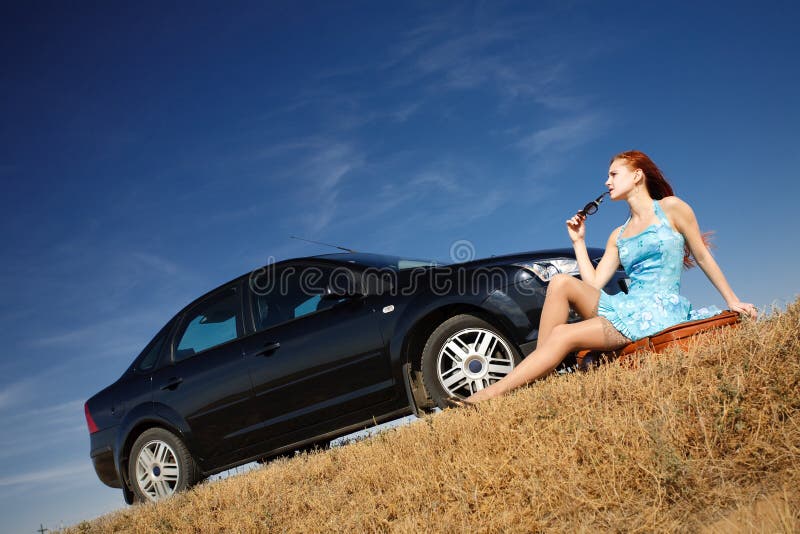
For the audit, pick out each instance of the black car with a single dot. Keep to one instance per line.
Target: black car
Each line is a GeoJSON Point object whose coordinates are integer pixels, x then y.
{"type": "Point", "coordinates": [306, 350]}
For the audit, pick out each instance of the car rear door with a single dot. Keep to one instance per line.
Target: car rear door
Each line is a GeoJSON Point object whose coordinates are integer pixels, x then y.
{"type": "Point", "coordinates": [316, 364]}
{"type": "Point", "coordinates": [206, 383]}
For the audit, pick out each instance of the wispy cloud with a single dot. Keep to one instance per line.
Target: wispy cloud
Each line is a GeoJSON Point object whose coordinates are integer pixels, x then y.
{"type": "Point", "coordinates": [325, 169]}
{"type": "Point", "coordinates": [434, 55]}
{"type": "Point", "coordinates": [49, 475]}
{"type": "Point", "coordinates": [116, 340]}
{"type": "Point", "coordinates": [341, 177]}
{"type": "Point", "coordinates": [39, 428]}
{"type": "Point", "coordinates": [91, 336]}
{"type": "Point", "coordinates": [16, 393]}
{"type": "Point", "coordinates": [464, 210]}
{"type": "Point", "coordinates": [157, 263]}
{"type": "Point", "coordinates": [455, 52]}
{"type": "Point", "coordinates": [317, 168]}
{"type": "Point", "coordinates": [436, 179]}
{"type": "Point", "coordinates": [363, 112]}
{"type": "Point", "coordinates": [462, 61]}
{"type": "Point", "coordinates": [566, 134]}
{"type": "Point", "coordinates": [462, 49]}
{"type": "Point", "coordinates": [53, 413]}
{"type": "Point", "coordinates": [444, 195]}
{"type": "Point", "coordinates": [340, 111]}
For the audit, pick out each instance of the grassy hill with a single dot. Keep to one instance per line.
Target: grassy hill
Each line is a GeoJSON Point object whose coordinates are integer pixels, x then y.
{"type": "Point", "coordinates": [707, 439]}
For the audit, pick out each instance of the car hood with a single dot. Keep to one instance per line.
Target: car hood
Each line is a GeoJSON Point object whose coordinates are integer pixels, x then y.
{"type": "Point", "coordinates": [506, 259]}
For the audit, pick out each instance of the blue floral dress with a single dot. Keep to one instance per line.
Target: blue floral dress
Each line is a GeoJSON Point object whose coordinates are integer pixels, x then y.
{"type": "Point", "coordinates": [653, 261]}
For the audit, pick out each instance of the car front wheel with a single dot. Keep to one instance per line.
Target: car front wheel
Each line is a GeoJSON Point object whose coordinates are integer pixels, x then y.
{"type": "Point", "coordinates": [160, 465]}
{"type": "Point", "coordinates": [464, 355]}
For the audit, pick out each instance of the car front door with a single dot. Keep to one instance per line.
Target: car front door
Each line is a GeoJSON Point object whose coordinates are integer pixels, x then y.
{"type": "Point", "coordinates": [316, 364]}
{"type": "Point", "coordinates": [206, 382]}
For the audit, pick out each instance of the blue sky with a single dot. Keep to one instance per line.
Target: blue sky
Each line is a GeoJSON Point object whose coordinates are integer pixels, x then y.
{"type": "Point", "coordinates": [151, 151]}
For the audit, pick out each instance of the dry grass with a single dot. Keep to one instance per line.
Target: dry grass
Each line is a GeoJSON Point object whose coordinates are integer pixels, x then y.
{"type": "Point", "coordinates": [706, 440]}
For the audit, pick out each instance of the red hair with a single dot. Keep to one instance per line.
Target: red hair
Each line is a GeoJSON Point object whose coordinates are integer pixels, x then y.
{"type": "Point", "coordinates": [657, 187]}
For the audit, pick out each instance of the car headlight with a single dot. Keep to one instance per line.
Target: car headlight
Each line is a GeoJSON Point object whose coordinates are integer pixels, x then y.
{"type": "Point", "coordinates": [545, 270]}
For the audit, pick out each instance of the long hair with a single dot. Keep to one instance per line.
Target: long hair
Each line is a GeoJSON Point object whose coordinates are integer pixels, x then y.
{"type": "Point", "coordinates": [658, 187]}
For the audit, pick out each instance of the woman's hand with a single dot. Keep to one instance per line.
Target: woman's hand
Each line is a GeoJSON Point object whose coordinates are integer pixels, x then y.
{"type": "Point", "coordinates": [745, 308]}
{"type": "Point", "coordinates": [576, 228]}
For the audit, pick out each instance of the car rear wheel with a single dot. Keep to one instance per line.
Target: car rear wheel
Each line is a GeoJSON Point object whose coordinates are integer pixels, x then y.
{"type": "Point", "coordinates": [160, 465]}
{"type": "Point", "coordinates": [463, 355]}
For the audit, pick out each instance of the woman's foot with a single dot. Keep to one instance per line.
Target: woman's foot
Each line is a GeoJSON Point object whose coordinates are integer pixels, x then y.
{"type": "Point", "coordinates": [455, 402]}
{"type": "Point", "coordinates": [480, 396]}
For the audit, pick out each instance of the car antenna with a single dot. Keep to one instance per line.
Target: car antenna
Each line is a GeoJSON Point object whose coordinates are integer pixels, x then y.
{"type": "Point", "coordinates": [320, 243]}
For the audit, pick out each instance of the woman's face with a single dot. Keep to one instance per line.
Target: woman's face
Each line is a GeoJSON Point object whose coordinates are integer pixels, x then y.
{"type": "Point", "coordinates": [621, 179]}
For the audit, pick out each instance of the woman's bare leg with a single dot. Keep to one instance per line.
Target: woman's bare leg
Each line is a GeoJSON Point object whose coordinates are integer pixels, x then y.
{"type": "Point", "coordinates": [596, 334]}
{"type": "Point", "coordinates": [562, 292]}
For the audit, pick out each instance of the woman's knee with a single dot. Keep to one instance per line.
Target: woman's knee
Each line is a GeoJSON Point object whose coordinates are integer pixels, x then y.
{"type": "Point", "coordinates": [559, 283]}
{"type": "Point", "coordinates": [561, 337]}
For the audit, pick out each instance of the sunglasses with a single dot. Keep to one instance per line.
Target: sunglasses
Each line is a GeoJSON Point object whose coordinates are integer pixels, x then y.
{"type": "Point", "coordinates": [592, 206]}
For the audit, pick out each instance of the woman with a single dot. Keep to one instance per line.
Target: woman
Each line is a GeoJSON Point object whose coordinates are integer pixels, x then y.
{"type": "Point", "coordinates": [653, 245]}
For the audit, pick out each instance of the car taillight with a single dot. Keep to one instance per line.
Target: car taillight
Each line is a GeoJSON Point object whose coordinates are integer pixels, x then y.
{"type": "Point", "coordinates": [89, 421]}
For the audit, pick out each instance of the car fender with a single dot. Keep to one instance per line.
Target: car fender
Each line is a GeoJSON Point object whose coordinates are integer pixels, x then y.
{"type": "Point", "coordinates": [417, 310]}
{"type": "Point", "coordinates": [145, 415]}
{"type": "Point", "coordinates": [508, 312]}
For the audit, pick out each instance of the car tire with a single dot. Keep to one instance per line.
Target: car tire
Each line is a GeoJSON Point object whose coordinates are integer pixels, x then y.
{"type": "Point", "coordinates": [160, 465]}
{"type": "Point", "coordinates": [463, 355]}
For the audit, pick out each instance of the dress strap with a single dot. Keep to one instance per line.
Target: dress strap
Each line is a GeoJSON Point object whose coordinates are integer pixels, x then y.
{"type": "Point", "coordinates": [660, 214]}
{"type": "Point", "coordinates": [622, 229]}
{"type": "Point", "coordinates": [664, 220]}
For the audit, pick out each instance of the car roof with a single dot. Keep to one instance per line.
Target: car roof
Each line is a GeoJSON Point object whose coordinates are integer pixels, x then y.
{"type": "Point", "coordinates": [363, 258]}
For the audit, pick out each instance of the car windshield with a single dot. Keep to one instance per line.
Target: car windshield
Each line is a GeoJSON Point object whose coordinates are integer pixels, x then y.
{"type": "Point", "coordinates": [396, 263]}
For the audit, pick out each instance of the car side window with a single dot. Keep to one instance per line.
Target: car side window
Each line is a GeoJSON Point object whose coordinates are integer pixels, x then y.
{"type": "Point", "coordinates": [211, 323]}
{"type": "Point", "coordinates": [296, 291]}
{"type": "Point", "coordinates": [148, 361]}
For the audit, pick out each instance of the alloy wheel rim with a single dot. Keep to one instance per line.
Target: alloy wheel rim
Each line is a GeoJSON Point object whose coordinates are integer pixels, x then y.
{"type": "Point", "coordinates": [157, 470]}
{"type": "Point", "coordinates": [471, 360]}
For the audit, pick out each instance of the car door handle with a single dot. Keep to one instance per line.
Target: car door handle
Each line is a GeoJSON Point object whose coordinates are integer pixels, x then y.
{"type": "Point", "coordinates": [172, 383]}
{"type": "Point", "coordinates": [267, 349]}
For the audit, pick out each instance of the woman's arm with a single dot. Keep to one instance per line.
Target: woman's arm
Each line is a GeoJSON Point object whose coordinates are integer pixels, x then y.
{"type": "Point", "coordinates": [600, 276]}
{"type": "Point", "coordinates": [685, 222]}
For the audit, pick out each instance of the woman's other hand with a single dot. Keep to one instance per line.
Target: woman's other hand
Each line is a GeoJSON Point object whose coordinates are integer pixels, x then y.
{"type": "Point", "coordinates": [576, 227]}
{"type": "Point", "coordinates": [745, 308]}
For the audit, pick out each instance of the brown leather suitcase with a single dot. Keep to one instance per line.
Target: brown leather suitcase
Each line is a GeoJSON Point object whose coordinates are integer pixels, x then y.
{"type": "Point", "coordinates": [679, 335]}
